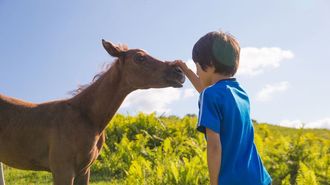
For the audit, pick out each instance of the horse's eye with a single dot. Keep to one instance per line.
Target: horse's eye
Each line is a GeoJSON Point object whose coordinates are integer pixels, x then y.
{"type": "Point", "coordinates": [141, 58]}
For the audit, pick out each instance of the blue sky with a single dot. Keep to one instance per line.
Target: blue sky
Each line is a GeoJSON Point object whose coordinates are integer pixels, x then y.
{"type": "Point", "coordinates": [48, 48]}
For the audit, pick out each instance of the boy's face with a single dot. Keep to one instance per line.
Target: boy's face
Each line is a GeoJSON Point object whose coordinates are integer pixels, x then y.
{"type": "Point", "coordinates": [205, 76]}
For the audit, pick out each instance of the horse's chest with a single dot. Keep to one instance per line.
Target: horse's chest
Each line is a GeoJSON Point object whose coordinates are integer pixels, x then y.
{"type": "Point", "coordinates": [89, 153]}
{"type": "Point", "coordinates": [86, 159]}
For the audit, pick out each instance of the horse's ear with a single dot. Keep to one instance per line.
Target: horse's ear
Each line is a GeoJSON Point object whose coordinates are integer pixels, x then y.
{"type": "Point", "coordinates": [112, 49]}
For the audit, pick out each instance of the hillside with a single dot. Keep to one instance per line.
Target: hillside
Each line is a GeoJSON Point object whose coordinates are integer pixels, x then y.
{"type": "Point", "coordinates": [147, 149]}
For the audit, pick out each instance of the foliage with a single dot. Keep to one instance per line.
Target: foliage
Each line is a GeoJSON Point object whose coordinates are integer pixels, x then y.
{"type": "Point", "coordinates": [148, 149]}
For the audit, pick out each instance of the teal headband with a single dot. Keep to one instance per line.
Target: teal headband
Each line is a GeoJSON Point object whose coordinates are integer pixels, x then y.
{"type": "Point", "coordinates": [222, 53]}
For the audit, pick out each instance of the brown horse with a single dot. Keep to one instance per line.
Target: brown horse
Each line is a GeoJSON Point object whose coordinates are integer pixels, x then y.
{"type": "Point", "coordinates": [65, 137]}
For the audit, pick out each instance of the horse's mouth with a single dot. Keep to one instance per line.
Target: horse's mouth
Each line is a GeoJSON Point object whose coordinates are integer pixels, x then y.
{"type": "Point", "coordinates": [178, 82]}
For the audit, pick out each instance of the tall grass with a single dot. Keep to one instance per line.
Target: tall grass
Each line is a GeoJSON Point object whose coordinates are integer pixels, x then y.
{"type": "Point", "coordinates": [148, 149]}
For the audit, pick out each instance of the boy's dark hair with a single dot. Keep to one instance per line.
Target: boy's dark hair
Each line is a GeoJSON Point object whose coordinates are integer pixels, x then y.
{"type": "Point", "coordinates": [217, 49]}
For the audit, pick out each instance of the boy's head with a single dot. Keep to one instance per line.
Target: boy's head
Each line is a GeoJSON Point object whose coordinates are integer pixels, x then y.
{"type": "Point", "coordinates": [219, 50]}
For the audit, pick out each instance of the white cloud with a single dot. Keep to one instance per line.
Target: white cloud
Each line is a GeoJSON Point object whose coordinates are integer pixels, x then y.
{"type": "Point", "coordinates": [291, 123]}
{"type": "Point", "coordinates": [322, 123]}
{"type": "Point", "coordinates": [152, 100]}
{"type": "Point", "coordinates": [191, 65]}
{"type": "Point", "coordinates": [266, 93]}
{"type": "Point", "coordinates": [189, 92]}
{"type": "Point", "coordinates": [156, 100]}
{"type": "Point", "coordinates": [254, 61]}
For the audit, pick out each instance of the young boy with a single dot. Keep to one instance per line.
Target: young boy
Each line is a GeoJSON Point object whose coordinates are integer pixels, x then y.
{"type": "Point", "coordinates": [224, 113]}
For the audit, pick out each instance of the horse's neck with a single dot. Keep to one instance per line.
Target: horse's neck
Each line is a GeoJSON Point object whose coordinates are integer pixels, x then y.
{"type": "Point", "coordinates": [101, 100]}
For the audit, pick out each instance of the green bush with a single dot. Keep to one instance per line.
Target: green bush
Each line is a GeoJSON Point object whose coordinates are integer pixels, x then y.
{"type": "Point", "coordinates": [148, 149]}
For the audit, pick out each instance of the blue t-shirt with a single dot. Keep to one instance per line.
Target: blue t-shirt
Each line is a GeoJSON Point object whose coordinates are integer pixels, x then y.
{"type": "Point", "coordinates": [225, 108]}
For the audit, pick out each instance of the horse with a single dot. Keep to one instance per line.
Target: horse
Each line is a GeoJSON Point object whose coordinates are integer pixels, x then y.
{"type": "Point", "coordinates": [65, 136]}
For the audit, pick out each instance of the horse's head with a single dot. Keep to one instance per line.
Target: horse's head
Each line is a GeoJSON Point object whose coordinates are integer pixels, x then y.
{"type": "Point", "coordinates": [143, 71]}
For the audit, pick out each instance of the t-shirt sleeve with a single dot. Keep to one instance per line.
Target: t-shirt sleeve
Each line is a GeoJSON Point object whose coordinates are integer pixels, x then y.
{"type": "Point", "coordinates": [209, 112]}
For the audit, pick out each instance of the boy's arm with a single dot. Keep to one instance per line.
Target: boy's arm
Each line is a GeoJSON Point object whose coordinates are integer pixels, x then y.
{"type": "Point", "coordinates": [190, 74]}
{"type": "Point", "coordinates": [214, 149]}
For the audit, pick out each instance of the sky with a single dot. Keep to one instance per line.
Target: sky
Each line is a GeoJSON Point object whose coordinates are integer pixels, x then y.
{"type": "Point", "coordinates": [49, 48]}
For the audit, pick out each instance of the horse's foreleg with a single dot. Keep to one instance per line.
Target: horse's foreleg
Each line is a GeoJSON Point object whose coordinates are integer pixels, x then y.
{"type": "Point", "coordinates": [2, 177]}
{"type": "Point", "coordinates": [63, 176]}
{"type": "Point", "coordinates": [82, 178]}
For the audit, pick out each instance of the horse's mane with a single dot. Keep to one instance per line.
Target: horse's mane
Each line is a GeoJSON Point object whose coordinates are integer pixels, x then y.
{"type": "Point", "coordinates": [105, 68]}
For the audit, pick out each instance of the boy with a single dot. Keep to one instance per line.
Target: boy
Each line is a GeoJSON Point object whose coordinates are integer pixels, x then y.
{"type": "Point", "coordinates": [224, 113]}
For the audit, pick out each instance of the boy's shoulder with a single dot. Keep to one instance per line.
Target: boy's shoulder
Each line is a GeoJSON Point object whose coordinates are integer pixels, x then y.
{"type": "Point", "coordinates": [213, 93]}
{"type": "Point", "coordinates": [221, 87]}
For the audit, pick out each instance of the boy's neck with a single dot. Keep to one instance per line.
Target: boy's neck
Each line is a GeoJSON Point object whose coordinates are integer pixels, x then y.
{"type": "Point", "coordinates": [217, 77]}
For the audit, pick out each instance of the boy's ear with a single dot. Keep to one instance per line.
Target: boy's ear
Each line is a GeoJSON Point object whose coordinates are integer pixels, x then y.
{"type": "Point", "coordinates": [112, 49]}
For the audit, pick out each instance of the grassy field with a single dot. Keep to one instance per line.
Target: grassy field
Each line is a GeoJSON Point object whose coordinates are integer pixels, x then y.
{"type": "Point", "coordinates": [147, 149]}
{"type": "Point", "coordinates": [20, 177]}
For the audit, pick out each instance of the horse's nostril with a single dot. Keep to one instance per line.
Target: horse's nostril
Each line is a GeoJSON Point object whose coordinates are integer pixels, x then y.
{"type": "Point", "coordinates": [177, 69]}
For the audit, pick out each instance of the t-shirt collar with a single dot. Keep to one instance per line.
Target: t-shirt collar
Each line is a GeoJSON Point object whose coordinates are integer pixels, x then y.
{"type": "Point", "coordinates": [227, 79]}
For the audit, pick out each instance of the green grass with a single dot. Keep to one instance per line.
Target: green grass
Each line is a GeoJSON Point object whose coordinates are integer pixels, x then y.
{"type": "Point", "coordinates": [23, 177]}
{"type": "Point", "coordinates": [146, 149]}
